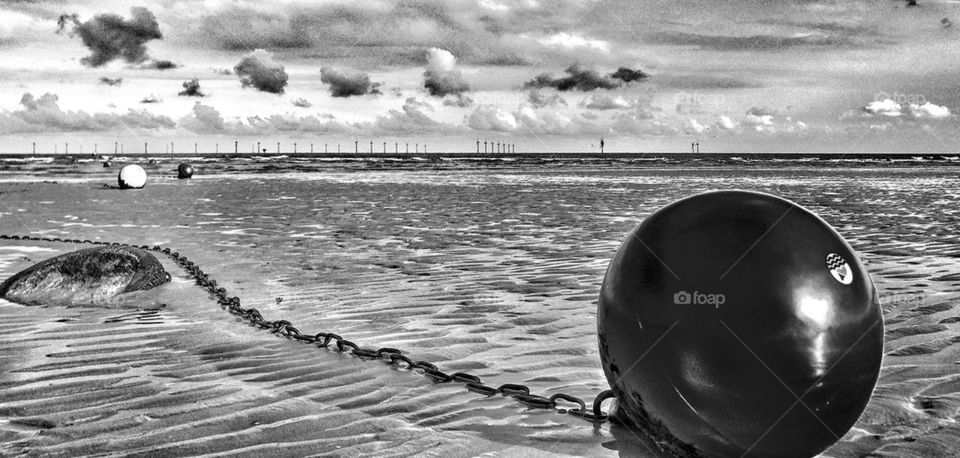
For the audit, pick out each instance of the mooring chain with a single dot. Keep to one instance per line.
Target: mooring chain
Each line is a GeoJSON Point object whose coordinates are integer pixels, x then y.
{"type": "Point", "coordinates": [329, 340]}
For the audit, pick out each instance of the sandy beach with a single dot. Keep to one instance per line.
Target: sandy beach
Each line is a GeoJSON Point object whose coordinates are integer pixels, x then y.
{"type": "Point", "coordinates": [492, 268]}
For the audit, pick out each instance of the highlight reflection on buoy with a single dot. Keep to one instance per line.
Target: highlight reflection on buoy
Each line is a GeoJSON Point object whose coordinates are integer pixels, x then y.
{"type": "Point", "coordinates": [737, 323]}
{"type": "Point", "coordinates": [132, 177]}
{"type": "Point", "coordinates": [184, 171]}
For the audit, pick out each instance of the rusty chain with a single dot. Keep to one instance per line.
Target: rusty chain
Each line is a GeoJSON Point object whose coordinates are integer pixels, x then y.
{"type": "Point", "coordinates": [335, 342]}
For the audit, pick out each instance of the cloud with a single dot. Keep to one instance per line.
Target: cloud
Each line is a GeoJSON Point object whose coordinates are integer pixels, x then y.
{"type": "Point", "coordinates": [203, 119]}
{"type": "Point", "coordinates": [191, 88]}
{"type": "Point", "coordinates": [302, 103]}
{"type": "Point", "coordinates": [442, 76]}
{"type": "Point", "coordinates": [393, 33]}
{"type": "Point", "coordinates": [538, 100]}
{"type": "Point", "coordinates": [111, 81]}
{"type": "Point", "coordinates": [159, 65]}
{"type": "Point", "coordinates": [694, 126]}
{"type": "Point", "coordinates": [346, 85]}
{"type": "Point", "coordinates": [413, 117]}
{"type": "Point", "coordinates": [726, 123]}
{"type": "Point", "coordinates": [608, 102]}
{"type": "Point", "coordinates": [752, 42]}
{"type": "Point", "coordinates": [258, 69]}
{"type": "Point", "coordinates": [531, 121]}
{"type": "Point", "coordinates": [573, 41]}
{"type": "Point", "coordinates": [885, 107]}
{"type": "Point", "coordinates": [459, 100]}
{"type": "Point", "coordinates": [586, 79]}
{"type": "Point", "coordinates": [44, 115]}
{"type": "Point", "coordinates": [929, 111]}
{"type": "Point", "coordinates": [757, 111]}
{"type": "Point", "coordinates": [702, 81]}
{"type": "Point", "coordinates": [628, 75]}
{"type": "Point", "coordinates": [110, 37]}
{"type": "Point", "coordinates": [888, 108]}
{"type": "Point", "coordinates": [760, 118]}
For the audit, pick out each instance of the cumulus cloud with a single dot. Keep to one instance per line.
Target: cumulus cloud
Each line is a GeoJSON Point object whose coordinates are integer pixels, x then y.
{"type": "Point", "coordinates": [608, 102]}
{"type": "Point", "coordinates": [726, 123]}
{"type": "Point", "coordinates": [111, 81]}
{"type": "Point", "coordinates": [346, 84]}
{"type": "Point", "coordinates": [44, 115]}
{"type": "Point", "coordinates": [888, 108]}
{"type": "Point", "coordinates": [442, 77]}
{"type": "Point", "coordinates": [694, 126]}
{"type": "Point", "coordinates": [207, 119]}
{"type": "Point", "coordinates": [536, 99]}
{"type": "Point", "coordinates": [548, 121]}
{"type": "Point", "coordinates": [760, 118]}
{"type": "Point", "coordinates": [258, 69]}
{"type": "Point", "coordinates": [628, 75]}
{"type": "Point", "coordinates": [459, 100]}
{"type": "Point", "coordinates": [203, 119]}
{"type": "Point", "coordinates": [110, 37]}
{"type": "Point", "coordinates": [191, 88]}
{"type": "Point", "coordinates": [159, 65]}
{"type": "Point", "coordinates": [578, 77]}
{"type": "Point", "coordinates": [585, 79]}
{"type": "Point", "coordinates": [929, 111]}
{"type": "Point", "coordinates": [302, 103]}
{"type": "Point", "coordinates": [413, 117]}
{"type": "Point", "coordinates": [885, 107]}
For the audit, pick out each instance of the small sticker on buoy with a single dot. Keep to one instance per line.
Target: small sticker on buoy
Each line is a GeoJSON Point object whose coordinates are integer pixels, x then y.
{"type": "Point", "coordinates": [839, 268]}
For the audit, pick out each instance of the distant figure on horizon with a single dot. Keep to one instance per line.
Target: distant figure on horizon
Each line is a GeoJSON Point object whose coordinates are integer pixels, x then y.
{"type": "Point", "coordinates": [601, 145]}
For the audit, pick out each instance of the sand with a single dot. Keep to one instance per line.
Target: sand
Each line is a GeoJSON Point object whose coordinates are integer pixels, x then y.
{"type": "Point", "coordinates": [492, 269]}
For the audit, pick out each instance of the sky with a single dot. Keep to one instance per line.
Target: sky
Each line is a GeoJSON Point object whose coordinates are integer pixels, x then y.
{"type": "Point", "coordinates": [545, 75]}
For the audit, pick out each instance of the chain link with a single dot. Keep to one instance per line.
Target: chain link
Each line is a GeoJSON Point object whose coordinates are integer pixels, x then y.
{"type": "Point", "coordinates": [391, 356]}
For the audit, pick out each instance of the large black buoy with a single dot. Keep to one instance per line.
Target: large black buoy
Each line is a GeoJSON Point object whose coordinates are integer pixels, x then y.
{"type": "Point", "coordinates": [737, 323]}
{"type": "Point", "coordinates": [184, 171]}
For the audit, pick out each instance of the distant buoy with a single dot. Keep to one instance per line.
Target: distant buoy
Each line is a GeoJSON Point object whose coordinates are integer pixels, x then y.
{"type": "Point", "coordinates": [737, 323]}
{"type": "Point", "coordinates": [132, 177]}
{"type": "Point", "coordinates": [184, 171]}
{"type": "Point", "coordinates": [107, 164]}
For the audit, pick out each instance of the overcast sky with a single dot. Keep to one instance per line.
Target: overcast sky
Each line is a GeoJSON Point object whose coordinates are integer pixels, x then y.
{"type": "Point", "coordinates": [645, 75]}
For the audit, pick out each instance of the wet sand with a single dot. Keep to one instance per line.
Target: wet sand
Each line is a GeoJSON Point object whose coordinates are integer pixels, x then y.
{"type": "Point", "coordinates": [489, 270]}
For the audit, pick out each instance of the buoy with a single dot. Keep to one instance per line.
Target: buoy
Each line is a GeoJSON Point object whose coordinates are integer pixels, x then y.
{"type": "Point", "coordinates": [737, 323]}
{"type": "Point", "coordinates": [184, 171]}
{"type": "Point", "coordinates": [132, 177]}
{"type": "Point", "coordinates": [106, 164]}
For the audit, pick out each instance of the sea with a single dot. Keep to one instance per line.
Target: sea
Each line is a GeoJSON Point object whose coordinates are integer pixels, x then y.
{"type": "Point", "coordinates": [483, 265]}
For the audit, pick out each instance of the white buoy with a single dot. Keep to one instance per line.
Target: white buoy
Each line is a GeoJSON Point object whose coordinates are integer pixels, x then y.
{"type": "Point", "coordinates": [132, 177]}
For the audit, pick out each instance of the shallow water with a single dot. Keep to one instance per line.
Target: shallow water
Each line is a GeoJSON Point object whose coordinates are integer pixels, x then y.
{"type": "Point", "coordinates": [489, 268]}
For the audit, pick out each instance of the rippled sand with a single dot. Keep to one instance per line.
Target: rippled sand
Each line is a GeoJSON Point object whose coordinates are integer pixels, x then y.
{"type": "Point", "coordinates": [490, 269]}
